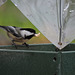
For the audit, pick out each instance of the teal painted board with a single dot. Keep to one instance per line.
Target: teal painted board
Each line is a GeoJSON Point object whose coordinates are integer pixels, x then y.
{"type": "Point", "coordinates": [40, 59]}
{"type": "Point", "coordinates": [68, 63]}
{"type": "Point", "coordinates": [34, 47]}
{"type": "Point", "coordinates": [28, 63]}
{"type": "Point", "coordinates": [39, 47]}
{"type": "Point", "coordinates": [69, 47]}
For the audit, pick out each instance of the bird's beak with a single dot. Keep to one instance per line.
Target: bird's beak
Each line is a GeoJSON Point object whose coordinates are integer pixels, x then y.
{"type": "Point", "coordinates": [37, 34]}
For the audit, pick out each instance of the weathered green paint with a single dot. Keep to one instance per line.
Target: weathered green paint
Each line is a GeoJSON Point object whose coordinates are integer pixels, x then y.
{"type": "Point", "coordinates": [68, 63]}
{"type": "Point", "coordinates": [41, 59]}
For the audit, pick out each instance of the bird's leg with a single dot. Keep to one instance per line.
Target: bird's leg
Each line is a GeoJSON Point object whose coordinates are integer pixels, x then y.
{"type": "Point", "coordinates": [25, 44]}
{"type": "Point", "coordinates": [14, 44]}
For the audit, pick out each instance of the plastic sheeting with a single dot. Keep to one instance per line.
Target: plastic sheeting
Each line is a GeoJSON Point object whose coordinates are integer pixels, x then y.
{"type": "Point", "coordinates": [54, 18]}
{"type": "Point", "coordinates": [2, 2]}
{"type": "Point", "coordinates": [68, 21]}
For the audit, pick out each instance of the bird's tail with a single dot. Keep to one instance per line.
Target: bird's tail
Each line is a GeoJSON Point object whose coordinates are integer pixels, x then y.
{"type": "Point", "coordinates": [4, 27]}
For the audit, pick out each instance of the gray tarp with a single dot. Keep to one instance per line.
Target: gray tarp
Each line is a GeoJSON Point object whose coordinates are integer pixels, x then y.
{"type": "Point", "coordinates": [54, 18]}
{"type": "Point", "coordinates": [2, 2]}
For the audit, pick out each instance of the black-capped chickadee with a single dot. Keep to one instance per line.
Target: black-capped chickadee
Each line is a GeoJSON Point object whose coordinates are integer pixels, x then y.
{"type": "Point", "coordinates": [17, 34]}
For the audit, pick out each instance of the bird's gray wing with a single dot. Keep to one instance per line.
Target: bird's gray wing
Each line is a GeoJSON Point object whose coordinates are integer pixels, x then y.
{"type": "Point", "coordinates": [13, 31]}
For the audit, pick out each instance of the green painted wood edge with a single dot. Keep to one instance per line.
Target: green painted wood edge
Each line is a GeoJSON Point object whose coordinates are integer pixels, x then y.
{"type": "Point", "coordinates": [39, 47]}
{"type": "Point", "coordinates": [35, 47]}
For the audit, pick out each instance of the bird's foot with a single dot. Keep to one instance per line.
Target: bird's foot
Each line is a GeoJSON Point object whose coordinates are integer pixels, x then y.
{"type": "Point", "coordinates": [26, 44]}
{"type": "Point", "coordinates": [14, 45]}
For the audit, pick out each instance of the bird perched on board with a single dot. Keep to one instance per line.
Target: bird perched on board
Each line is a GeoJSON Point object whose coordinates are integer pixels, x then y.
{"type": "Point", "coordinates": [17, 34]}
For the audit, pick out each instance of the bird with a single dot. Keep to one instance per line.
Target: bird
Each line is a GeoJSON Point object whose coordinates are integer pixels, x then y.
{"type": "Point", "coordinates": [18, 34]}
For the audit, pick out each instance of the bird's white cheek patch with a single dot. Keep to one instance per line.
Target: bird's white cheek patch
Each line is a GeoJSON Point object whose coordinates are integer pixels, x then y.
{"type": "Point", "coordinates": [25, 33]}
